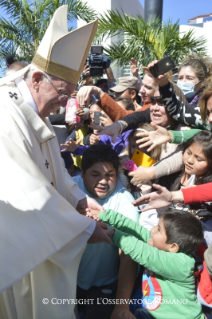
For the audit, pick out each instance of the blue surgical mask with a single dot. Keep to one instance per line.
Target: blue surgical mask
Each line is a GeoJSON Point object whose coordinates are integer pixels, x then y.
{"type": "Point", "coordinates": [186, 87]}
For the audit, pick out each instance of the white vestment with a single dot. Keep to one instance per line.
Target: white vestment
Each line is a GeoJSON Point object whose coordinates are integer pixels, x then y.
{"type": "Point", "coordinates": [42, 236]}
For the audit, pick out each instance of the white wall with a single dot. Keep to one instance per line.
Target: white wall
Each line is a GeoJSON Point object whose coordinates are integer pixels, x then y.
{"type": "Point", "coordinates": [205, 32]}
{"type": "Point", "coordinates": [131, 7]}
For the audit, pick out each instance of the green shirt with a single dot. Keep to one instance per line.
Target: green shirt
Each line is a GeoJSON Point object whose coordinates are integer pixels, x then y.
{"type": "Point", "coordinates": [168, 283]}
{"type": "Point", "coordinates": [180, 137]}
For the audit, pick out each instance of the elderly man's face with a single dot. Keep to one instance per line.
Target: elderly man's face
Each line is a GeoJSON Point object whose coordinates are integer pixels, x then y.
{"type": "Point", "coordinates": [47, 94]}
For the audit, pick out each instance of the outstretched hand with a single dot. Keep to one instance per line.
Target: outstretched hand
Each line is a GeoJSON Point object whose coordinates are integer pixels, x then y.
{"type": "Point", "coordinates": [153, 138]}
{"type": "Point", "coordinates": [161, 198]}
{"type": "Point", "coordinates": [112, 130]}
{"type": "Point", "coordinates": [84, 95]}
{"type": "Point", "coordinates": [142, 175]}
{"type": "Point", "coordinates": [71, 145]}
{"type": "Point", "coordinates": [134, 67]}
{"type": "Point", "coordinates": [88, 204]}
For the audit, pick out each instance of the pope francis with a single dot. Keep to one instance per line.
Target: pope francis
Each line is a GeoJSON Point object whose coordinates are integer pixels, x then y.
{"type": "Point", "coordinates": [42, 236]}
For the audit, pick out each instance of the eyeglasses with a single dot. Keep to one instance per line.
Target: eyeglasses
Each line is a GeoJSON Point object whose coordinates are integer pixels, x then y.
{"type": "Point", "coordinates": [156, 99]}
{"type": "Point", "coordinates": [62, 97]}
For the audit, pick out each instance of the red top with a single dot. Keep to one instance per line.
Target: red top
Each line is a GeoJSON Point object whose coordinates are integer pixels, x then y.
{"type": "Point", "coordinates": [198, 194]}
{"type": "Point", "coordinates": [146, 105]}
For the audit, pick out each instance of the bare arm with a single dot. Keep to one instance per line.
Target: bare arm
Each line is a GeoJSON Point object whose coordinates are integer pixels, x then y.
{"type": "Point", "coordinates": [126, 280]}
{"type": "Point", "coordinates": [109, 73]}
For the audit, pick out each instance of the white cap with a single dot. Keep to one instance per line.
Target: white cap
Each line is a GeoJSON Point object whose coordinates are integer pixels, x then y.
{"type": "Point", "coordinates": [61, 53]}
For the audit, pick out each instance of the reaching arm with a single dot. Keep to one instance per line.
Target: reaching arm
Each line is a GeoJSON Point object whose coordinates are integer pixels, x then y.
{"type": "Point", "coordinates": [198, 194]}
{"type": "Point", "coordinates": [183, 113]}
{"type": "Point", "coordinates": [136, 118]}
{"type": "Point", "coordinates": [163, 198]}
{"type": "Point", "coordinates": [168, 165]}
{"type": "Point", "coordinates": [161, 135]}
{"type": "Point", "coordinates": [111, 108]}
{"type": "Point", "coordinates": [146, 255]}
{"type": "Point", "coordinates": [110, 76]}
{"type": "Point", "coordinates": [125, 224]}
{"type": "Point", "coordinates": [179, 137]}
{"type": "Point", "coordinates": [159, 199]}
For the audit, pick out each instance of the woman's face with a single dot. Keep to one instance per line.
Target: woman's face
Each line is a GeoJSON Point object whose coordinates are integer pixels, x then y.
{"type": "Point", "coordinates": [209, 110]}
{"type": "Point", "coordinates": [158, 113]}
{"type": "Point", "coordinates": [187, 74]}
{"type": "Point", "coordinates": [148, 88]}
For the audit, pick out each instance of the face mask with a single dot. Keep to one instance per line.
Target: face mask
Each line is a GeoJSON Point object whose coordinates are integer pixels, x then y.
{"type": "Point", "coordinates": [186, 87]}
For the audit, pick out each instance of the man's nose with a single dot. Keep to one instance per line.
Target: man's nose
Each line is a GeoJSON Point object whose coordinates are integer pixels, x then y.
{"type": "Point", "coordinates": [103, 180]}
{"type": "Point", "coordinates": [141, 89]}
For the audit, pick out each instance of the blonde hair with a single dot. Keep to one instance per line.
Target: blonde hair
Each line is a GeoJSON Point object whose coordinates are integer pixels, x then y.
{"type": "Point", "coordinates": [148, 73]}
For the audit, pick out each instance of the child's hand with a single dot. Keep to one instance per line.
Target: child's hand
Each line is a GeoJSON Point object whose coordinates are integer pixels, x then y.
{"type": "Point", "coordinates": [71, 145]}
{"type": "Point", "coordinates": [80, 112]}
{"type": "Point", "coordinates": [94, 214]}
{"type": "Point", "coordinates": [94, 139]}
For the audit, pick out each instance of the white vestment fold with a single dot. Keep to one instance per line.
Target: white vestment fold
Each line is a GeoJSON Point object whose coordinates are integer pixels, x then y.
{"type": "Point", "coordinates": [41, 233]}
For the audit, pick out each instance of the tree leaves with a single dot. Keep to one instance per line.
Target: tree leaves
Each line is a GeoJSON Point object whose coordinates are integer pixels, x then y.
{"type": "Point", "coordinates": [21, 34]}
{"type": "Point", "coordinates": [145, 41]}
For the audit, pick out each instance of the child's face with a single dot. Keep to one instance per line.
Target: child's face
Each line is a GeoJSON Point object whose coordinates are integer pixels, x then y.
{"type": "Point", "coordinates": [158, 237]}
{"type": "Point", "coordinates": [195, 161]}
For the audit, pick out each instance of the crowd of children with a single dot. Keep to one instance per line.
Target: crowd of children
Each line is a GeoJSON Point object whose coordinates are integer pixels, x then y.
{"type": "Point", "coordinates": [163, 242]}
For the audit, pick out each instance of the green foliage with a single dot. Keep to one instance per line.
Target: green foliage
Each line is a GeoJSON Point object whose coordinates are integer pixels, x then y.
{"type": "Point", "coordinates": [145, 41]}
{"type": "Point", "coordinates": [20, 35]}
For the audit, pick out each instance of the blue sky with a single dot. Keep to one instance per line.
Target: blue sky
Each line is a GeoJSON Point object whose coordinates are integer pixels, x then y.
{"type": "Point", "coordinates": [184, 9]}
{"type": "Point", "coordinates": [180, 9]}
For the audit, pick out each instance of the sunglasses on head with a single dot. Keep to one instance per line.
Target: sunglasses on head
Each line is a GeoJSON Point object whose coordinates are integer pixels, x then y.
{"type": "Point", "coordinates": [156, 99]}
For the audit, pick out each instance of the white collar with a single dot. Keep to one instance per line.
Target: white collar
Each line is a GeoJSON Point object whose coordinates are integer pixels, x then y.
{"type": "Point", "coordinates": [25, 92]}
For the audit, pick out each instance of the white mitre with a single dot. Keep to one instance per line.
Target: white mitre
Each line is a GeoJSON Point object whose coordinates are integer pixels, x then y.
{"type": "Point", "coordinates": [61, 53]}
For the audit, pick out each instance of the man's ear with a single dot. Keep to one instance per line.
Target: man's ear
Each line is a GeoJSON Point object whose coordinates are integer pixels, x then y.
{"type": "Point", "coordinates": [133, 94]}
{"type": "Point", "coordinates": [37, 78]}
{"type": "Point", "coordinates": [174, 248]}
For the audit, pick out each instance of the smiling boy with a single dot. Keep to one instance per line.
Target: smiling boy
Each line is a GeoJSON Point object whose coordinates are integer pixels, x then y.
{"type": "Point", "coordinates": [167, 289]}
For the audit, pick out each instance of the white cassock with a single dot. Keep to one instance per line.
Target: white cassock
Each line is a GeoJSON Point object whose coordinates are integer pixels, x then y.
{"type": "Point", "coordinates": [42, 236]}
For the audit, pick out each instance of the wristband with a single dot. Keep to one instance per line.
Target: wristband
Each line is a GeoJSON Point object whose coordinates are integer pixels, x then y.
{"type": "Point", "coordinates": [121, 127]}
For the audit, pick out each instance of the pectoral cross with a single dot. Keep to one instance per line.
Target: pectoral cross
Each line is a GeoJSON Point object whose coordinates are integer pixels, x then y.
{"type": "Point", "coordinates": [47, 164]}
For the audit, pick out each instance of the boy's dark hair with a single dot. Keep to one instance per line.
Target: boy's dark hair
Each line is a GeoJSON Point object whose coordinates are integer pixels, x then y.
{"type": "Point", "coordinates": [182, 228]}
{"type": "Point", "coordinates": [138, 97]}
{"type": "Point", "coordinates": [99, 153]}
{"type": "Point", "coordinates": [203, 138]}
{"type": "Point", "coordinates": [100, 82]}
